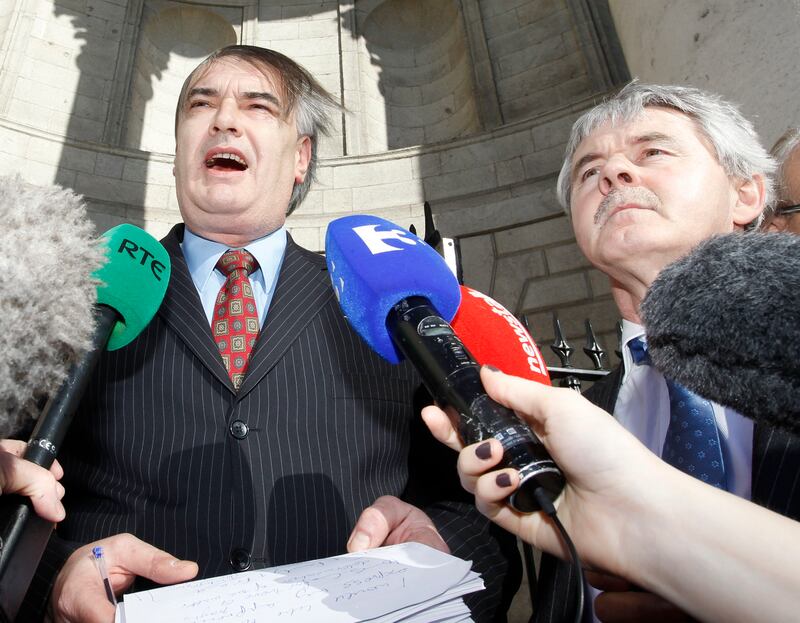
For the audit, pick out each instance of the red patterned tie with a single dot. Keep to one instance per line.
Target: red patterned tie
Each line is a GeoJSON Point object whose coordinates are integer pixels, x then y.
{"type": "Point", "coordinates": [235, 322]}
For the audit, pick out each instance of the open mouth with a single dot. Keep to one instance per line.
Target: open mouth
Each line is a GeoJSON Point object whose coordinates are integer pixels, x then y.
{"type": "Point", "coordinates": [226, 161]}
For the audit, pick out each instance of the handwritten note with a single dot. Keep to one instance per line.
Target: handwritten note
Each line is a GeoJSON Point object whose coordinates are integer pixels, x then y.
{"type": "Point", "coordinates": [409, 582]}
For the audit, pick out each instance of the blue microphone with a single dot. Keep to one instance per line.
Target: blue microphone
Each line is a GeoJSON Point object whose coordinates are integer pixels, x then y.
{"type": "Point", "coordinates": [399, 295]}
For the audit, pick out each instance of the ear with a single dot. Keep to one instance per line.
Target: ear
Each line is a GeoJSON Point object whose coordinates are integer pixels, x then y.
{"type": "Point", "coordinates": [302, 159]}
{"type": "Point", "coordinates": [750, 196]}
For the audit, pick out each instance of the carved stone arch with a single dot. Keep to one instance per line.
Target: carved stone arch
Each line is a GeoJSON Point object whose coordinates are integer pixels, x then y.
{"type": "Point", "coordinates": [172, 42]}
{"type": "Point", "coordinates": [152, 53]}
{"type": "Point", "coordinates": [417, 76]}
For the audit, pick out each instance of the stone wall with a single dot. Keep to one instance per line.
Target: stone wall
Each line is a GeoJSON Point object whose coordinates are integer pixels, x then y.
{"type": "Point", "coordinates": [537, 60]}
{"type": "Point", "coordinates": [58, 67]}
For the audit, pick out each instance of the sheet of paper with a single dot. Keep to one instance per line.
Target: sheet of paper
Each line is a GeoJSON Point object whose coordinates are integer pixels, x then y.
{"type": "Point", "coordinates": [341, 589]}
{"type": "Point", "coordinates": [421, 611]}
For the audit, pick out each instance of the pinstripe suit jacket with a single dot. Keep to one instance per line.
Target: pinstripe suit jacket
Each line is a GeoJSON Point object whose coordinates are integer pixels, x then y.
{"type": "Point", "coordinates": [163, 447]}
{"type": "Point", "coordinates": [775, 484]}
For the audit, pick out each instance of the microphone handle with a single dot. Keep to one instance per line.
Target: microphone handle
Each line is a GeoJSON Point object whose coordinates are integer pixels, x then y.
{"type": "Point", "coordinates": [23, 534]}
{"type": "Point", "coordinates": [452, 376]}
{"type": "Point", "coordinates": [52, 425]}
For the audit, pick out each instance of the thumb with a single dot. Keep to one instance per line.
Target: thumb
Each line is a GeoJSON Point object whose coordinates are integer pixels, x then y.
{"type": "Point", "coordinates": [166, 569]}
{"type": "Point", "coordinates": [131, 556]}
{"type": "Point", "coordinates": [527, 398]}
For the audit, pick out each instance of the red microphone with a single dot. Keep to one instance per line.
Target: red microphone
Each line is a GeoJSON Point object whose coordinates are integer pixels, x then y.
{"type": "Point", "coordinates": [495, 337]}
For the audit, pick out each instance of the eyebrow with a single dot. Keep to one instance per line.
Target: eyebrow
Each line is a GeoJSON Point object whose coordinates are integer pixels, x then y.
{"type": "Point", "coordinates": [650, 137]}
{"type": "Point", "coordinates": [249, 95]}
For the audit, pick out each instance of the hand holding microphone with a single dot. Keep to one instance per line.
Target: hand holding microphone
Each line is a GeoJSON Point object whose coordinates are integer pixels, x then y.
{"type": "Point", "coordinates": [37, 483]}
{"type": "Point", "coordinates": [398, 294]}
{"type": "Point", "coordinates": [633, 515]}
{"type": "Point", "coordinates": [606, 469]}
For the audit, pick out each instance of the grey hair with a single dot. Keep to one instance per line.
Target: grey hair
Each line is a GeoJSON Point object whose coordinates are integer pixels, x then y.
{"type": "Point", "coordinates": [733, 138]}
{"type": "Point", "coordinates": [781, 150]}
{"type": "Point", "coordinates": [311, 103]}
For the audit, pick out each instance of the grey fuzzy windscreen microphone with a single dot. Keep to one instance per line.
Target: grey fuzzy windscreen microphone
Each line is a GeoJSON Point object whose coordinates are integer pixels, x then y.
{"type": "Point", "coordinates": [47, 255]}
{"type": "Point", "coordinates": [725, 322]}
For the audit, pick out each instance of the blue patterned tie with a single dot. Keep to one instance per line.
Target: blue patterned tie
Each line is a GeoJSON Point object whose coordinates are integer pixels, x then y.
{"type": "Point", "coordinates": [692, 443]}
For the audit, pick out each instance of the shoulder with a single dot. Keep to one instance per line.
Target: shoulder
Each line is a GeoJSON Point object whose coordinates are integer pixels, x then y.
{"type": "Point", "coordinates": [297, 253]}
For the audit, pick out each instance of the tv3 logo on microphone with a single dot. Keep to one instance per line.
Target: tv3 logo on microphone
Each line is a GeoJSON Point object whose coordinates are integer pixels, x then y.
{"type": "Point", "coordinates": [134, 250]}
{"type": "Point", "coordinates": [376, 241]}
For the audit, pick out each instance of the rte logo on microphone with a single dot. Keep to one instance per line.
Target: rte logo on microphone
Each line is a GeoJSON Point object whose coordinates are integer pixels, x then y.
{"type": "Point", "coordinates": [376, 240]}
{"type": "Point", "coordinates": [132, 249]}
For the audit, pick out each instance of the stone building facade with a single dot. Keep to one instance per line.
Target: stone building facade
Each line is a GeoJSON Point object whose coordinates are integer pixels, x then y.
{"type": "Point", "coordinates": [465, 104]}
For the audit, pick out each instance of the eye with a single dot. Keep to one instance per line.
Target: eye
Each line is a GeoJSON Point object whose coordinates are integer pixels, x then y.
{"type": "Point", "coordinates": [198, 103]}
{"type": "Point", "coordinates": [588, 173]}
{"type": "Point", "coordinates": [261, 107]}
{"type": "Point", "coordinates": [653, 151]}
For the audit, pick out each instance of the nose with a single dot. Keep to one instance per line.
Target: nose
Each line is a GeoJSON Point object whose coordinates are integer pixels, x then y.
{"type": "Point", "coordinates": [616, 173]}
{"type": "Point", "coordinates": [226, 118]}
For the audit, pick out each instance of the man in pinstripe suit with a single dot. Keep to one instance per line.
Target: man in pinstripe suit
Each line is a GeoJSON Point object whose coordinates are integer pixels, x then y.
{"type": "Point", "coordinates": [169, 447]}
{"type": "Point", "coordinates": [648, 175]}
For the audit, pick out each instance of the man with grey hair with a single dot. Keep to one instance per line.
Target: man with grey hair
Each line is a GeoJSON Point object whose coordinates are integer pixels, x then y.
{"type": "Point", "coordinates": [648, 175]}
{"type": "Point", "coordinates": [248, 425]}
{"type": "Point", "coordinates": [785, 216]}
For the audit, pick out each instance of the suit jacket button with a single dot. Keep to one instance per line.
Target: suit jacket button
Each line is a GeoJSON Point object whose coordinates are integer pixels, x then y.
{"type": "Point", "coordinates": [239, 429]}
{"type": "Point", "coordinates": [240, 560]}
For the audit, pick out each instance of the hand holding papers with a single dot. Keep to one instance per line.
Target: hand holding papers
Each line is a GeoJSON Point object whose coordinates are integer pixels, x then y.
{"type": "Point", "coordinates": [408, 582]}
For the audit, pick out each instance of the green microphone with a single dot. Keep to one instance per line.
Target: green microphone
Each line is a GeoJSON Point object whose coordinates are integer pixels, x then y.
{"type": "Point", "coordinates": [132, 284]}
{"type": "Point", "coordinates": [133, 281]}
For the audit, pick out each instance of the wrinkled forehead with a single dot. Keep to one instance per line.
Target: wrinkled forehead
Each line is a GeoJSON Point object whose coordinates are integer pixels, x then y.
{"type": "Point", "coordinates": [220, 69]}
{"type": "Point", "coordinates": [634, 123]}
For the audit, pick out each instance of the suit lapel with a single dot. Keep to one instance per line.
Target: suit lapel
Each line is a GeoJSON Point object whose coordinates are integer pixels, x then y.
{"type": "Point", "coordinates": [303, 289]}
{"type": "Point", "coordinates": [183, 311]}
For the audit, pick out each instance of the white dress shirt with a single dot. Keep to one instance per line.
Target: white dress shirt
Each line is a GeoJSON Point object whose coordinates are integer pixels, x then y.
{"type": "Point", "coordinates": [202, 256]}
{"type": "Point", "coordinates": [643, 408]}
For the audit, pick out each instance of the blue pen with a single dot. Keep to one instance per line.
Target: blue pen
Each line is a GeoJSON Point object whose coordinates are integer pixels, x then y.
{"type": "Point", "coordinates": [101, 567]}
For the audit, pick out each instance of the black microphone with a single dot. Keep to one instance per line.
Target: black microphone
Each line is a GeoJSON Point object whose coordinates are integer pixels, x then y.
{"type": "Point", "coordinates": [399, 295]}
{"type": "Point", "coordinates": [723, 321]}
{"type": "Point", "coordinates": [129, 289]}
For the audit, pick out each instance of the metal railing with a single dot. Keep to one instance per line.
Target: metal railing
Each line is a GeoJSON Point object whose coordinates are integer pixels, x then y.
{"type": "Point", "coordinates": [567, 374]}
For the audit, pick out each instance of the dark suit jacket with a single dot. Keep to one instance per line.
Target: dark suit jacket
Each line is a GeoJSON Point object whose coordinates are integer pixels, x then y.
{"type": "Point", "coordinates": [775, 484]}
{"type": "Point", "coordinates": [162, 446]}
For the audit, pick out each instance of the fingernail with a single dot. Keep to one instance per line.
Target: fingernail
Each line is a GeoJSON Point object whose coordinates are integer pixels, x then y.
{"type": "Point", "coordinates": [181, 563]}
{"type": "Point", "coordinates": [484, 451]}
{"type": "Point", "coordinates": [60, 511]}
{"type": "Point", "coordinates": [491, 368]}
{"type": "Point", "coordinates": [503, 480]}
{"type": "Point", "coordinates": [358, 542]}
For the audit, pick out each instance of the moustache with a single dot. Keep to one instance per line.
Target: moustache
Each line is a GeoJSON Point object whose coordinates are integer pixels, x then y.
{"type": "Point", "coordinates": [640, 196]}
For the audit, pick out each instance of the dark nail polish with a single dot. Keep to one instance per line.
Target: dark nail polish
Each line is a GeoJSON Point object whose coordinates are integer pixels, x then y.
{"type": "Point", "coordinates": [503, 480]}
{"type": "Point", "coordinates": [484, 451]}
{"type": "Point", "coordinates": [491, 368]}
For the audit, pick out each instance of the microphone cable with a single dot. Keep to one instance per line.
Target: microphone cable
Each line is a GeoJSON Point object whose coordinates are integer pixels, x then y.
{"type": "Point", "coordinates": [550, 510]}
